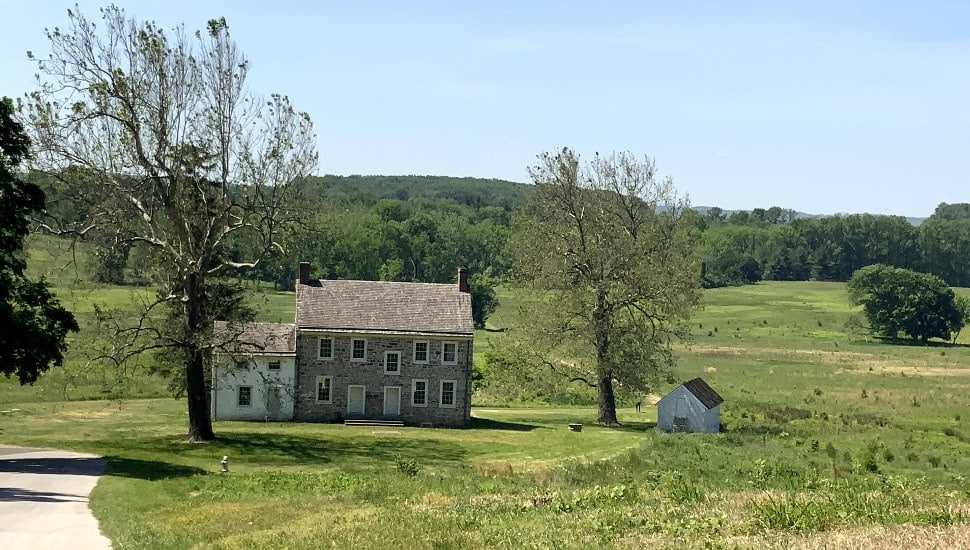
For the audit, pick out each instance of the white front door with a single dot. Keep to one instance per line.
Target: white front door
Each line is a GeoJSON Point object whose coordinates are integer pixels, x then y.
{"type": "Point", "coordinates": [392, 400]}
{"type": "Point", "coordinates": [355, 399]}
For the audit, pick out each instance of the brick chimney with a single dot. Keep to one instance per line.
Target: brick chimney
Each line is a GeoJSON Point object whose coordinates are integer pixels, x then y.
{"type": "Point", "coordinates": [304, 273]}
{"type": "Point", "coordinates": [463, 280]}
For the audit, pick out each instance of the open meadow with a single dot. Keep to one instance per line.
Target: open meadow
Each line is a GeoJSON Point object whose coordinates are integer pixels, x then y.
{"type": "Point", "coordinates": [830, 438]}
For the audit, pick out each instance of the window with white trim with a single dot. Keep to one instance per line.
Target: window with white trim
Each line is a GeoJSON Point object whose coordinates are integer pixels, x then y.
{"type": "Point", "coordinates": [274, 365]}
{"type": "Point", "coordinates": [419, 393]}
{"type": "Point", "coordinates": [325, 350]}
{"type": "Point", "coordinates": [449, 353]}
{"type": "Point", "coordinates": [358, 349]}
{"type": "Point", "coordinates": [392, 362]}
{"type": "Point", "coordinates": [245, 396]}
{"type": "Point", "coordinates": [447, 395]}
{"type": "Point", "coordinates": [421, 351]}
{"type": "Point", "coordinates": [324, 389]}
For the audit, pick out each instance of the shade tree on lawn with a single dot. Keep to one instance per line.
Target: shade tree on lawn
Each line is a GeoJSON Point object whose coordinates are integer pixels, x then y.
{"type": "Point", "coordinates": [159, 137]}
{"type": "Point", "coordinates": [607, 244]}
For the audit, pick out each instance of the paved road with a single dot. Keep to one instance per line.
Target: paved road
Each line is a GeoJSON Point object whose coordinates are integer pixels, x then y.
{"type": "Point", "coordinates": [44, 500]}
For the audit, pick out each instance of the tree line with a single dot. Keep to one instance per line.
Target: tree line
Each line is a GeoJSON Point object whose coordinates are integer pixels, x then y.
{"type": "Point", "coordinates": [372, 233]}
{"type": "Point", "coordinates": [748, 247]}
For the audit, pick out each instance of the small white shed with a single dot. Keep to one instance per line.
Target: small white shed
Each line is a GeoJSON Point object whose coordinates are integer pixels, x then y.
{"type": "Point", "coordinates": [690, 407]}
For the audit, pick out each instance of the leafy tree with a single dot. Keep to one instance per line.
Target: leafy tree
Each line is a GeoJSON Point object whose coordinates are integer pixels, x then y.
{"type": "Point", "coordinates": [896, 300]}
{"type": "Point", "coordinates": [952, 212]}
{"type": "Point", "coordinates": [33, 324]}
{"type": "Point", "coordinates": [484, 300]}
{"type": "Point", "coordinates": [944, 246]}
{"type": "Point", "coordinates": [179, 159]}
{"type": "Point", "coordinates": [607, 241]}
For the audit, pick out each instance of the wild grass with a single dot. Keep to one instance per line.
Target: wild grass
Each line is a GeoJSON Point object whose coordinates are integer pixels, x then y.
{"type": "Point", "coordinates": [830, 439]}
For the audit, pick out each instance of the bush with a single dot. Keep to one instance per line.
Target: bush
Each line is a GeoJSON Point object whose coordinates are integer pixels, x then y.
{"type": "Point", "coordinates": [408, 466]}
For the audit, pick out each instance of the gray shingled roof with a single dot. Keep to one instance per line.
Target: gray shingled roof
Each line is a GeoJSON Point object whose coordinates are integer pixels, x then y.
{"type": "Point", "coordinates": [704, 393]}
{"type": "Point", "coordinates": [256, 338]}
{"type": "Point", "coordinates": [384, 307]}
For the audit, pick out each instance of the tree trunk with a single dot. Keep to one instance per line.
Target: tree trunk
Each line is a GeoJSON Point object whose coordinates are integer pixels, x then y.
{"type": "Point", "coordinates": [606, 415]}
{"type": "Point", "coordinates": [200, 421]}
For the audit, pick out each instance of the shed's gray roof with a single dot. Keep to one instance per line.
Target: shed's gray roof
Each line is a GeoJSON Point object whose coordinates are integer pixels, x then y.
{"type": "Point", "coordinates": [255, 338]}
{"type": "Point", "coordinates": [704, 393]}
{"type": "Point", "coordinates": [384, 307]}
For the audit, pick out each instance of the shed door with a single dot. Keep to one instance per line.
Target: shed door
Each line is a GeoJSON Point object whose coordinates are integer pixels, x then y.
{"type": "Point", "coordinates": [392, 400]}
{"type": "Point", "coordinates": [355, 399]}
{"type": "Point", "coordinates": [681, 412]}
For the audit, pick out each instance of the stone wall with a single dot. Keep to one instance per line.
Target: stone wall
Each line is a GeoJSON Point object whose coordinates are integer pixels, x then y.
{"type": "Point", "coordinates": [370, 373]}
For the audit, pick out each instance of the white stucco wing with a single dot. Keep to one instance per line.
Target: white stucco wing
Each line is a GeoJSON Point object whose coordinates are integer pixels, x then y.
{"type": "Point", "coordinates": [271, 391]}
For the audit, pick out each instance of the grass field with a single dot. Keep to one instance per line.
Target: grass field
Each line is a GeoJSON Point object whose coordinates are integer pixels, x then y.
{"type": "Point", "coordinates": [832, 439]}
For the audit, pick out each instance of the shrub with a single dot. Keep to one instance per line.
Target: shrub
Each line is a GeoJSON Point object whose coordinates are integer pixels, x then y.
{"type": "Point", "coordinates": [408, 466]}
{"type": "Point", "coordinates": [831, 451]}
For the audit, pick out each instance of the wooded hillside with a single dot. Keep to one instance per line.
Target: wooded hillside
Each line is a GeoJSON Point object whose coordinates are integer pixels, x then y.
{"type": "Point", "coordinates": [421, 228]}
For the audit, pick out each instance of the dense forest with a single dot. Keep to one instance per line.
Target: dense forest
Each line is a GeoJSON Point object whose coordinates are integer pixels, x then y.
{"type": "Point", "coordinates": [771, 244]}
{"type": "Point", "coordinates": [421, 228]}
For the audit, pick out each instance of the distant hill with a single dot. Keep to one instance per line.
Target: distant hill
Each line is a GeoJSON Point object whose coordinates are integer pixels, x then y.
{"type": "Point", "coordinates": [703, 210]}
{"type": "Point", "coordinates": [474, 192]}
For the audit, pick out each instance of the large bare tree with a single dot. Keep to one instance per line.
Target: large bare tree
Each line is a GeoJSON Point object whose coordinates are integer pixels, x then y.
{"type": "Point", "coordinates": [606, 240]}
{"type": "Point", "coordinates": [157, 136]}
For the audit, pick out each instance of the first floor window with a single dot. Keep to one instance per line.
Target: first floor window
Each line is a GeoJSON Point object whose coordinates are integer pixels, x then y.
{"type": "Point", "coordinates": [245, 396]}
{"type": "Point", "coordinates": [421, 352]}
{"type": "Point", "coordinates": [449, 352]}
{"type": "Point", "coordinates": [324, 384]}
{"type": "Point", "coordinates": [448, 393]}
{"type": "Point", "coordinates": [358, 350]}
{"type": "Point", "coordinates": [419, 393]}
{"type": "Point", "coordinates": [326, 348]}
{"type": "Point", "coordinates": [392, 362]}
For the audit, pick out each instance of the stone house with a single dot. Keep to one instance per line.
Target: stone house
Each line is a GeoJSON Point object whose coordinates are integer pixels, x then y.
{"type": "Point", "coordinates": [364, 350]}
{"type": "Point", "coordinates": [690, 407]}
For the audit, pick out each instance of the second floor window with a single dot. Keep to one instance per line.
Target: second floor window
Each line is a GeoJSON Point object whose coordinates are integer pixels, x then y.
{"type": "Point", "coordinates": [359, 350]}
{"type": "Point", "coordinates": [421, 352]}
{"type": "Point", "coordinates": [326, 348]}
{"type": "Point", "coordinates": [449, 352]}
{"type": "Point", "coordinates": [392, 362]}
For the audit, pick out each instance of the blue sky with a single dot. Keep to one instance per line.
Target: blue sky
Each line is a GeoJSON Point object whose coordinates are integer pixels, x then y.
{"type": "Point", "coordinates": [824, 107]}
